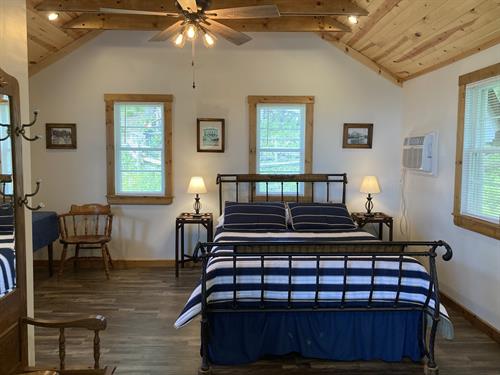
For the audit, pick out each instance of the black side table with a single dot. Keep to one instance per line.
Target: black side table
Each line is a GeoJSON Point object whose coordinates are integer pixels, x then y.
{"type": "Point", "coordinates": [205, 219]}
{"type": "Point", "coordinates": [361, 218]}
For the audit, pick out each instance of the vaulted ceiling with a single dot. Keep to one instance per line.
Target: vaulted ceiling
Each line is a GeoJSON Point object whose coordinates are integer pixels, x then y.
{"type": "Point", "coordinates": [399, 39]}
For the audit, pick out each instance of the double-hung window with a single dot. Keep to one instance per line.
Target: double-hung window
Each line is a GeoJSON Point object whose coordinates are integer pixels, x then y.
{"type": "Point", "coordinates": [477, 187]}
{"type": "Point", "coordinates": [139, 148]}
{"type": "Point", "coordinates": [280, 139]}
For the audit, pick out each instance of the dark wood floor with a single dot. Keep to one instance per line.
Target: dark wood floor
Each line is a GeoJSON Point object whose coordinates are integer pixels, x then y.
{"type": "Point", "coordinates": [142, 304]}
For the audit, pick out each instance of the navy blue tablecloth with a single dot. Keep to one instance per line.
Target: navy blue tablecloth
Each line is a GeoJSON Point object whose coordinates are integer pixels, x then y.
{"type": "Point", "coordinates": [45, 228]}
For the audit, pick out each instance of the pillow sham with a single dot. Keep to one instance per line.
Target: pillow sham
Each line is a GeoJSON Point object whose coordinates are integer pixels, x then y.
{"type": "Point", "coordinates": [320, 217]}
{"type": "Point", "coordinates": [255, 217]}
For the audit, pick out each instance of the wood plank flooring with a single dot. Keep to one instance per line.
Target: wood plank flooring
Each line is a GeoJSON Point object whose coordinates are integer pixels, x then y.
{"type": "Point", "coordinates": [141, 305]}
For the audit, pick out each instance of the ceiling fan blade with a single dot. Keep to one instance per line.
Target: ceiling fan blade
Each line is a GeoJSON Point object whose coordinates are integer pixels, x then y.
{"type": "Point", "coordinates": [258, 11]}
{"type": "Point", "coordinates": [226, 32]}
{"type": "Point", "coordinates": [136, 12]}
{"type": "Point", "coordinates": [188, 5]}
{"type": "Point", "coordinates": [168, 32]}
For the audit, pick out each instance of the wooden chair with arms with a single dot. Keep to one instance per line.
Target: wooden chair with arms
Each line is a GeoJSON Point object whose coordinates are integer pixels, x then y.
{"type": "Point", "coordinates": [94, 323]}
{"type": "Point", "coordinates": [86, 227]}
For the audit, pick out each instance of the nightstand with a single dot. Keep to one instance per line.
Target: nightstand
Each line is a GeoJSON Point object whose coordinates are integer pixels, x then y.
{"type": "Point", "coordinates": [205, 219]}
{"type": "Point", "coordinates": [361, 218]}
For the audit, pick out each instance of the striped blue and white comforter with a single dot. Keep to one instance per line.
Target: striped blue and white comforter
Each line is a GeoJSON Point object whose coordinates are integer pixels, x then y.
{"type": "Point", "coordinates": [7, 264]}
{"type": "Point", "coordinates": [414, 284]}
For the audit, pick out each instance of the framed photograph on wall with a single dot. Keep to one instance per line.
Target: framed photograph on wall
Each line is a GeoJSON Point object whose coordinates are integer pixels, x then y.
{"type": "Point", "coordinates": [211, 134]}
{"type": "Point", "coordinates": [357, 136]}
{"type": "Point", "coordinates": [60, 136]}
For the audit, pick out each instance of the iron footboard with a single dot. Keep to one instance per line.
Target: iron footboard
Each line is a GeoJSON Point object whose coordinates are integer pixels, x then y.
{"type": "Point", "coordinates": [320, 251]}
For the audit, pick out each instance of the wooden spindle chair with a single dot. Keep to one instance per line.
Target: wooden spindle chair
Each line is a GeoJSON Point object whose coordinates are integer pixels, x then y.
{"type": "Point", "coordinates": [95, 323]}
{"type": "Point", "coordinates": [86, 227]}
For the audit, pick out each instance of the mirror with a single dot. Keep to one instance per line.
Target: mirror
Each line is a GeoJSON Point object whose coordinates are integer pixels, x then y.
{"type": "Point", "coordinates": [7, 249]}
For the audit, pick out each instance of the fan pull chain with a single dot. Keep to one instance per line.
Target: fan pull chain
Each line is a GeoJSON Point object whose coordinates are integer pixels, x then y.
{"type": "Point", "coordinates": [192, 64]}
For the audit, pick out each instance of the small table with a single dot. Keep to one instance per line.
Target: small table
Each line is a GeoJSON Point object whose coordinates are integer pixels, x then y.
{"type": "Point", "coordinates": [205, 219]}
{"type": "Point", "coordinates": [45, 232]}
{"type": "Point", "coordinates": [361, 218]}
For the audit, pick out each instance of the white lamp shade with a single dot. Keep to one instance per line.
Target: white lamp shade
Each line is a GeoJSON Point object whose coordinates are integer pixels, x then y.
{"type": "Point", "coordinates": [197, 185]}
{"type": "Point", "coordinates": [370, 185]}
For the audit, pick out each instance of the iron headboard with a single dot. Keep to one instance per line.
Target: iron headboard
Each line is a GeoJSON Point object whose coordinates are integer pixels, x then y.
{"type": "Point", "coordinates": [306, 195]}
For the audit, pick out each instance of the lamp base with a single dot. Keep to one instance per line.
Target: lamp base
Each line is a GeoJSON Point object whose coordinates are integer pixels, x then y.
{"type": "Point", "coordinates": [197, 206]}
{"type": "Point", "coordinates": [369, 205]}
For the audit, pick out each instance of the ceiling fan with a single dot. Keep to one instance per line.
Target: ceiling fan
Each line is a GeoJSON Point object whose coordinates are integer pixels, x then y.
{"type": "Point", "coordinates": [196, 17]}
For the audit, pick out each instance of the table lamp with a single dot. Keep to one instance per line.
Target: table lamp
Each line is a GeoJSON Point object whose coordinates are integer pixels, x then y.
{"type": "Point", "coordinates": [197, 186]}
{"type": "Point", "coordinates": [370, 186]}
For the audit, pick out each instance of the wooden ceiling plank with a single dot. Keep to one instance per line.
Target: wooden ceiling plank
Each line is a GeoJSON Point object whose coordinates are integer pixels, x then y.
{"type": "Point", "coordinates": [419, 31]}
{"type": "Point", "coordinates": [312, 7]}
{"type": "Point", "coordinates": [41, 64]}
{"type": "Point", "coordinates": [462, 55]}
{"type": "Point", "coordinates": [43, 43]}
{"type": "Point", "coordinates": [467, 42]}
{"type": "Point", "coordinates": [439, 25]}
{"type": "Point", "coordinates": [36, 52]}
{"type": "Point", "coordinates": [484, 24]}
{"type": "Point", "coordinates": [140, 22]}
{"type": "Point", "coordinates": [370, 6]}
{"type": "Point", "coordinates": [398, 25]}
{"type": "Point", "coordinates": [330, 37]}
{"type": "Point", "coordinates": [43, 29]}
{"type": "Point", "coordinates": [372, 20]}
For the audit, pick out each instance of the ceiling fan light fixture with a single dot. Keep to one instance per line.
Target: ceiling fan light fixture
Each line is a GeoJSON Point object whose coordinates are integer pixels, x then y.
{"type": "Point", "coordinates": [353, 19]}
{"type": "Point", "coordinates": [208, 40]}
{"type": "Point", "coordinates": [180, 40]}
{"type": "Point", "coordinates": [191, 31]}
{"type": "Point", "coordinates": [53, 16]}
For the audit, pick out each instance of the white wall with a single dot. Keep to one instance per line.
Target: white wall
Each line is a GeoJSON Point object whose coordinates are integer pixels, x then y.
{"type": "Point", "coordinates": [431, 103]}
{"type": "Point", "coordinates": [14, 60]}
{"type": "Point", "coordinates": [72, 90]}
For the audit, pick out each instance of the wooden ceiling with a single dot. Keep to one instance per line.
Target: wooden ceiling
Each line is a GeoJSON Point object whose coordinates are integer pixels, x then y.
{"type": "Point", "coordinates": [399, 39]}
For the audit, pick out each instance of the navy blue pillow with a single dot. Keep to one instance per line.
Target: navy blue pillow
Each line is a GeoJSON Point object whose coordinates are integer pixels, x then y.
{"type": "Point", "coordinates": [320, 217]}
{"type": "Point", "coordinates": [255, 217]}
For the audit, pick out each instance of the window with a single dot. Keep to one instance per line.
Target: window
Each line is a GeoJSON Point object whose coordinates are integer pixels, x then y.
{"type": "Point", "coordinates": [477, 174]}
{"type": "Point", "coordinates": [280, 139]}
{"type": "Point", "coordinates": [139, 131]}
{"type": "Point", "coordinates": [6, 145]}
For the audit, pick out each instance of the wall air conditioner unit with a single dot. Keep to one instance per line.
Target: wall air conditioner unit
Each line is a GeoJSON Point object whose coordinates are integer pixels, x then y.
{"type": "Point", "coordinates": [420, 153]}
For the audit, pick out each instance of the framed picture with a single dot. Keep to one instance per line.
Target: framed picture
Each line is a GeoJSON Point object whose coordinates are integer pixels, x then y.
{"type": "Point", "coordinates": [60, 136]}
{"type": "Point", "coordinates": [357, 136]}
{"type": "Point", "coordinates": [210, 134]}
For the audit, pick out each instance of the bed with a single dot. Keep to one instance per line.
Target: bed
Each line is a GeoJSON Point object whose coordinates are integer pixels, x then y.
{"type": "Point", "coordinates": [7, 252]}
{"type": "Point", "coordinates": [337, 294]}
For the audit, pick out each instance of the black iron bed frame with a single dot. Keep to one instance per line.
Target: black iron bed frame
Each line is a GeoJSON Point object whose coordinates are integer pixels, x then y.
{"type": "Point", "coordinates": [320, 250]}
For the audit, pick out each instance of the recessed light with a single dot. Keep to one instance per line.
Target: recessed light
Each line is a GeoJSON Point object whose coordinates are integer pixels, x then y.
{"type": "Point", "coordinates": [53, 16]}
{"type": "Point", "coordinates": [353, 19]}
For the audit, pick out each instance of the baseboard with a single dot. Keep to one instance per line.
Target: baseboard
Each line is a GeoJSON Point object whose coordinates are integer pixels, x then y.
{"type": "Point", "coordinates": [471, 317]}
{"type": "Point", "coordinates": [117, 263]}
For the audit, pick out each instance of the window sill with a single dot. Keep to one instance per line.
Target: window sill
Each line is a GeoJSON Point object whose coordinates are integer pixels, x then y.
{"type": "Point", "coordinates": [477, 225]}
{"type": "Point", "coordinates": [139, 200]}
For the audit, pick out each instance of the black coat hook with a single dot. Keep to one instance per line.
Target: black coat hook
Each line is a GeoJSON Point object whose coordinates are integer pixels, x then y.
{"type": "Point", "coordinates": [8, 131]}
{"type": "Point", "coordinates": [21, 131]}
{"type": "Point", "coordinates": [24, 200]}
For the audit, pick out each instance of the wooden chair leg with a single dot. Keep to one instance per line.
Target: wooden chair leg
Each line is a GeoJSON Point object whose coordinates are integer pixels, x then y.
{"type": "Point", "coordinates": [77, 253]}
{"type": "Point", "coordinates": [105, 260]}
{"type": "Point", "coordinates": [63, 259]}
{"type": "Point", "coordinates": [109, 256]}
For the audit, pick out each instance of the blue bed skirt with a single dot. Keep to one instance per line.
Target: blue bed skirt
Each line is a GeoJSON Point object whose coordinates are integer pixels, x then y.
{"type": "Point", "coordinates": [239, 338]}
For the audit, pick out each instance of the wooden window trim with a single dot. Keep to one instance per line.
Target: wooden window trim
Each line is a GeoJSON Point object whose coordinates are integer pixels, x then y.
{"type": "Point", "coordinates": [253, 101]}
{"type": "Point", "coordinates": [468, 222]}
{"type": "Point", "coordinates": [112, 197]}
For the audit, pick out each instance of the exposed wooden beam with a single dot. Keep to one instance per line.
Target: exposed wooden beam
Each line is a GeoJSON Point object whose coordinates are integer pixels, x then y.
{"type": "Point", "coordinates": [379, 69]}
{"type": "Point", "coordinates": [136, 22]}
{"type": "Point", "coordinates": [286, 7]}
{"type": "Point", "coordinates": [35, 68]}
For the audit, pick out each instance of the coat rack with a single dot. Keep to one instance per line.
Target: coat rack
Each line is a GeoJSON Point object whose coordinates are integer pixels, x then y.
{"type": "Point", "coordinates": [24, 201]}
{"type": "Point", "coordinates": [21, 131]}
